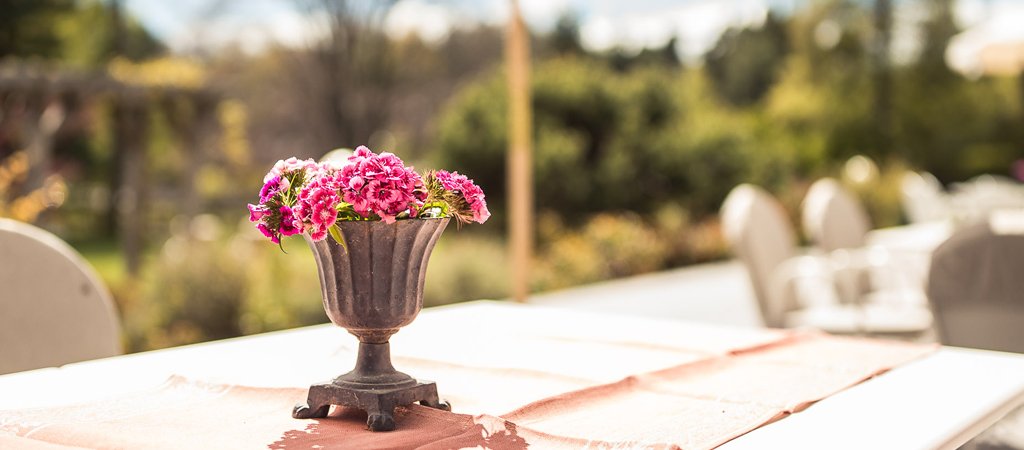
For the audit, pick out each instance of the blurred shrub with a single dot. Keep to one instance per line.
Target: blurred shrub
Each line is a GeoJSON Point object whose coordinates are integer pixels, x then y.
{"type": "Point", "coordinates": [466, 266]}
{"type": "Point", "coordinates": [202, 286]}
{"type": "Point", "coordinates": [610, 245]}
{"type": "Point", "coordinates": [14, 171]}
{"type": "Point", "coordinates": [687, 242]}
{"type": "Point", "coordinates": [283, 290]}
{"type": "Point", "coordinates": [706, 241]}
{"type": "Point", "coordinates": [194, 291]}
{"type": "Point", "coordinates": [626, 244]}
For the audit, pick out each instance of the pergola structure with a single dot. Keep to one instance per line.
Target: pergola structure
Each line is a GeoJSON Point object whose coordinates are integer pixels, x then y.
{"type": "Point", "coordinates": [37, 102]}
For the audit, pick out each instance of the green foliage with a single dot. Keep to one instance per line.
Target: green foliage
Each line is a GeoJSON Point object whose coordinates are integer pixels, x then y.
{"type": "Point", "coordinates": [200, 286]}
{"type": "Point", "coordinates": [79, 33]}
{"type": "Point", "coordinates": [466, 266]}
{"type": "Point", "coordinates": [565, 39]}
{"type": "Point", "coordinates": [609, 245]}
{"type": "Point", "coordinates": [970, 129]}
{"type": "Point", "coordinates": [743, 63]}
{"type": "Point", "coordinates": [605, 140]}
{"type": "Point", "coordinates": [26, 27]}
{"type": "Point", "coordinates": [87, 37]}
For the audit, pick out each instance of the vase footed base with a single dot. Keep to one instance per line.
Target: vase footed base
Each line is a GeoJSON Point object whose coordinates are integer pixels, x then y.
{"type": "Point", "coordinates": [379, 404]}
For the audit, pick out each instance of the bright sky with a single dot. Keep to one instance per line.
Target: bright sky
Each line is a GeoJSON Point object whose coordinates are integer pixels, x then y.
{"type": "Point", "coordinates": [188, 25]}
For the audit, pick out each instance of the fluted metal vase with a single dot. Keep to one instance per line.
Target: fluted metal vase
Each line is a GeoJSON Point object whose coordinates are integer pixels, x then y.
{"type": "Point", "coordinates": [373, 289]}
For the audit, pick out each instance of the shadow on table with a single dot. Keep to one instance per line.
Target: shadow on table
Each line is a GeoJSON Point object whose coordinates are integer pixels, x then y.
{"type": "Point", "coordinates": [1006, 434]}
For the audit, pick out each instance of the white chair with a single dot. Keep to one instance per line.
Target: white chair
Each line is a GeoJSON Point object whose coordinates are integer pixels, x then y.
{"type": "Point", "coordinates": [836, 222]}
{"type": "Point", "coordinates": [337, 156]}
{"type": "Point", "coordinates": [973, 200]}
{"type": "Point", "coordinates": [976, 286]}
{"type": "Point", "coordinates": [834, 218]}
{"type": "Point", "coordinates": [800, 291]}
{"type": "Point", "coordinates": [53, 308]}
{"type": "Point", "coordinates": [923, 198]}
{"type": "Point", "coordinates": [761, 248]}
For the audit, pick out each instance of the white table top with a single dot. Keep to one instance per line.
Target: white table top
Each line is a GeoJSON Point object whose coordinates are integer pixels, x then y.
{"type": "Point", "coordinates": [920, 238]}
{"type": "Point", "coordinates": [940, 401]}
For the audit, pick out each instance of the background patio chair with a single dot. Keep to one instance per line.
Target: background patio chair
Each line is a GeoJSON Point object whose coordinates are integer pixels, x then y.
{"type": "Point", "coordinates": [53, 308]}
{"type": "Point", "coordinates": [796, 290]}
{"type": "Point", "coordinates": [833, 218]}
{"type": "Point", "coordinates": [836, 222]}
{"type": "Point", "coordinates": [976, 287]}
{"type": "Point", "coordinates": [923, 198]}
{"type": "Point", "coordinates": [761, 248]}
{"type": "Point", "coordinates": [974, 199]}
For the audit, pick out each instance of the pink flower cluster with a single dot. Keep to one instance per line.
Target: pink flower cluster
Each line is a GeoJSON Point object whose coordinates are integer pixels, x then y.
{"type": "Point", "coordinates": [460, 184]}
{"type": "Point", "coordinates": [302, 196]}
{"type": "Point", "coordinates": [317, 206]}
{"type": "Point", "coordinates": [380, 184]}
{"type": "Point", "coordinates": [273, 215]}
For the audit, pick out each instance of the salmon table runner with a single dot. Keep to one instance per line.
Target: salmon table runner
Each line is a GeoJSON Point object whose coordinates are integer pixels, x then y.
{"type": "Point", "coordinates": [704, 401]}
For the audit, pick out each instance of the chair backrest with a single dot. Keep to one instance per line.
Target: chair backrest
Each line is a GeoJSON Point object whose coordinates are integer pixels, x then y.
{"type": "Point", "coordinates": [976, 289]}
{"type": "Point", "coordinates": [760, 234]}
{"type": "Point", "coordinates": [833, 217]}
{"type": "Point", "coordinates": [338, 156]}
{"type": "Point", "coordinates": [53, 308]}
{"type": "Point", "coordinates": [922, 197]}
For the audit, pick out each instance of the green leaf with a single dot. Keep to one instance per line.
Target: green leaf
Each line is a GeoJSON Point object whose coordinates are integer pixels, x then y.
{"type": "Point", "coordinates": [338, 237]}
{"type": "Point", "coordinates": [439, 205]}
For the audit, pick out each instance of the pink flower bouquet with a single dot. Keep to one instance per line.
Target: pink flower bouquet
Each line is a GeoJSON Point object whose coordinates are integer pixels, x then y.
{"type": "Point", "coordinates": [310, 197]}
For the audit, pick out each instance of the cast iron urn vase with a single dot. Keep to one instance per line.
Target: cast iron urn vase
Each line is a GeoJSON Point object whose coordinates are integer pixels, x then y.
{"type": "Point", "coordinates": [373, 288]}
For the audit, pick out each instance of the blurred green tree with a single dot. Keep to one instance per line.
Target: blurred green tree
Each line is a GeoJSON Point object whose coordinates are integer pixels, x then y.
{"type": "Point", "coordinates": [565, 39]}
{"type": "Point", "coordinates": [78, 33]}
{"type": "Point", "coordinates": [949, 125]}
{"type": "Point", "coordinates": [605, 140]}
{"type": "Point", "coordinates": [26, 27]}
{"type": "Point", "coordinates": [744, 62]}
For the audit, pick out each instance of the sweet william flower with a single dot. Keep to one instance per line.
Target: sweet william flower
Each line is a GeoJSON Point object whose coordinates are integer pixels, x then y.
{"type": "Point", "coordinates": [266, 232]}
{"type": "Point", "coordinates": [472, 206]}
{"type": "Point", "coordinates": [356, 183]}
{"type": "Point", "coordinates": [301, 196]}
{"type": "Point", "coordinates": [480, 212]}
{"type": "Point", "coordinates": [316, 209]}
{"type": "Point", "coordinates": [288, 223]}
{"type": "Point", "coordinates": [256, 212]}
{"type": "Point", "coordinates": [379, 185]}
{"type": "Point", "coordinates": [270, 188]}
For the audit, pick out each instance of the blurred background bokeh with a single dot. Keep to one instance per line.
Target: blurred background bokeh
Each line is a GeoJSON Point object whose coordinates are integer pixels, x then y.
{"type": "Point", "coordinates": [137, 130]}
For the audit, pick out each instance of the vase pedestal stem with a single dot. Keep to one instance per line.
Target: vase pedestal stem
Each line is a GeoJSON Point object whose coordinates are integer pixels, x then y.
{"type": "Point", "coordinates": [374, 358]}
{"type": "Point", "coordinates": [374, 370]}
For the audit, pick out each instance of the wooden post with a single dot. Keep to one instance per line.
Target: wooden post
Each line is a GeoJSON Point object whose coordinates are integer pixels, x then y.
{"type": "Point", "coordinates": [131, 120]}
{"type": "Point", "coordinates": [520, 166]}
